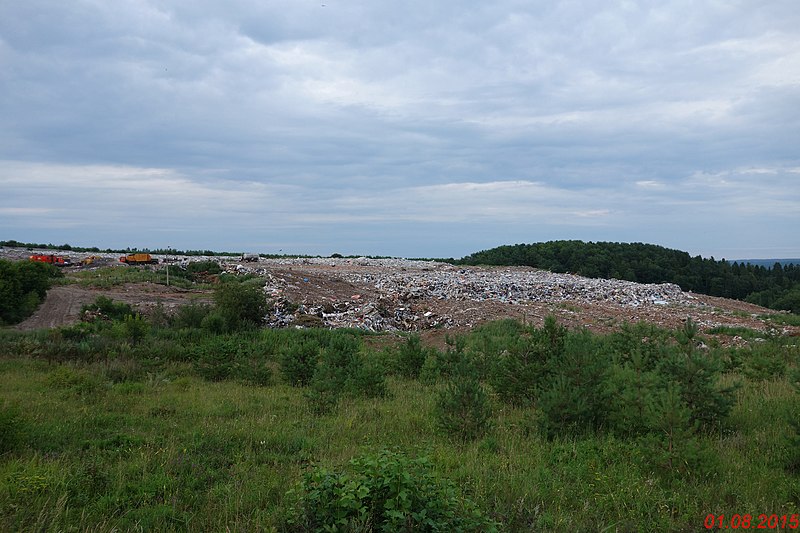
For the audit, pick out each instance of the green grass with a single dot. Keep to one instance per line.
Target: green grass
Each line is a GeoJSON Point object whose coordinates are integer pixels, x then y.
{"type": "Point", "coordinates": [115, 436]}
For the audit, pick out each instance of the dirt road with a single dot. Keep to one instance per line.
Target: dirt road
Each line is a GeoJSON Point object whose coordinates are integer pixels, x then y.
{"type": "Point", "coordinates": [63, 303]}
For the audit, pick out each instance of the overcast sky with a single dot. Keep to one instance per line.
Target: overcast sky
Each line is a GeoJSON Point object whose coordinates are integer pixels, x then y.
{"type": "Point", "coordinates": [409, 128]}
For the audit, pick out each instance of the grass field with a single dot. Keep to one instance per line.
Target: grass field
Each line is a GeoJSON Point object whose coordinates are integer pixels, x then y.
{"type": "Point", "coordinates": [172, 429]}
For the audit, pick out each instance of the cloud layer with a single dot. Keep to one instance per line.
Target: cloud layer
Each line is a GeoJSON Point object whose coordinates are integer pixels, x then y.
{"type": "Point", "coordinates": [408, 129]}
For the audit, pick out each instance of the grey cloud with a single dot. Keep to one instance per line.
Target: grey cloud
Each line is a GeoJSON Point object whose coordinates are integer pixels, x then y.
{"type": "Point", "coordinates": [356, 104]}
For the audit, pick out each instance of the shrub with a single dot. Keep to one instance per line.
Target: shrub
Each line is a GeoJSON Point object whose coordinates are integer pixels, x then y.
{"type": "Point", "coordinates": [135, 328]}
{"type": "Point", "coordinates": [630, 393]}
{"type": "Point", "coordinates": [190, 316]}
{"type": "Point", "coordinates": [697, 377]}
{"type": "Point", "coordinates": [81, 383]}
{"type": "Point", "coordinates": [463, 409]}
{"type": "Point", "coordinates": [106, 307]}
{"type": "Point", "coordinates": [241, 304]}
{"type": "Point", "coordinates": [214, 360]}
{"type": "Point", "coordinates": [672, 447]}
{"type": "Point", "coordinates": [255, 372]}
{"type": "Point", "coordinates": [384, 492]}
{"type": "Point", "coordinates": [342, 369]}
{"type": "Point", "coordinates": [214, 322]}
{"type": "Point", "coordinates": [442, 364]}
{"type": "Point", "coordinates": [764, 361]}
{"type": "Point", "coordinates": [573, 399]}
{"type": "Point", "coordinates": [411, 356]}
{"type": "Point", "coordinates": [792, 445]}
{"type": "Point", "coordinates": [298, 361]}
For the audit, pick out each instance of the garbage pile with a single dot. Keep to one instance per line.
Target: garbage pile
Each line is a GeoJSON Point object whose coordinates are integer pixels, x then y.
{"type": "Point", "coordinates": [405, 295]}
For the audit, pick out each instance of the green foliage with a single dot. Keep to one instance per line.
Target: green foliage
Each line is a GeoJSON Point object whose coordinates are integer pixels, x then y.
{"type": "Point", "coordinates": [673, 447]}
{"type": "Point", "coordinates": [12, 428]}
{"type": "Point", "coordinates": [225, 357]}
{"type": "Point", "coordinates": [242, 305]}
{"type": "Point", "coordinates": [439, 364]}
{"type": "Point", "coordinates": [343, 369]}
{"type": "Point", "coordinates": [526, 363]}
{"type": "Point", "coordinates": [215, 322]}
{"type": "Point", "coordinates": [299, 361]}
{"type": "Point", "coordinates": [23, 286]}
{"type": "Point", "coordinates": [384, 492]}
{"type": "Point", "coordinates": [463, 409]}
{"type": "Point", "coordinates": [411, 356]}
{"type": "Point", "coordinates": [77, 382]}
{"type": "Point", "coordinates": [792, 444]}
{"type": "Point", "coordinates": [106, 307]}
{"type": "Point", "coordinates": [631, 392]}
{"type": "Point", "coordinates": [135, 328]}
{"type": "Point", "coordinates": [777, 287]}
{"type": "Point", "coordinates": [696, 377]}
{"type": "Point", "coordinates": [190, 316]}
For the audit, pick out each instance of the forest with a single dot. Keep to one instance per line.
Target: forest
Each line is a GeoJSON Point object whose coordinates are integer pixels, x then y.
{"type": "Point", "coordinates": [777, 287]}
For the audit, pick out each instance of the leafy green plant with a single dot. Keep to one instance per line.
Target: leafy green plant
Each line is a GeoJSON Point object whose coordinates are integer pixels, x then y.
{"type": "Point", "coordinates": [384, 492]}
{"type": "Point", "coordinates": [241, 304]}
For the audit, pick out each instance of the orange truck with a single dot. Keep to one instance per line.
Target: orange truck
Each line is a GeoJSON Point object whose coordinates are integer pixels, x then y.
{"type": "Point", "coordinates": [138, 259]}
{"type": "Point", "coordinates": [56, 260]}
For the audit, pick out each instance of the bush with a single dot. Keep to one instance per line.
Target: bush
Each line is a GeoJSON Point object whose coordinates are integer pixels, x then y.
{"type": "Point", "coordinates": [673, 447]}
{"type": "Point", "coordinates": [697, 377]}
{"type": "Point", "coordinates": [214, 360]}
{"type": "Point", "coordinates": [242, 305]}
{"type": "Point", "coordinates": [765, 361]}
{"type": "Point", "coordinates": [385, 492]}
{"type": "Point", "coordinates": [23, 285]}
{"type": "Point", "coordinates": [342, 369]}
{"type": "Point", "coordinates": [630, 393]}
{"type": "Point", "coordinates": [442, 364]}
{"type": "Point", "coordinates": [106, 307]}
{"type": "Point", "coordinates": [135, 328]}
{"type": "Point", "coordinates": [298, 361]}
{"type": "Point", "coordinates": [573, 400]}
{"type": "Point", "coordinates": [190, 316]}
{"type": "Point", "coordinates": [410, 357]}
{"type": "Point", "coordinates": [463, 409]}
{"type": "Point", "coordinates": [214, 322]}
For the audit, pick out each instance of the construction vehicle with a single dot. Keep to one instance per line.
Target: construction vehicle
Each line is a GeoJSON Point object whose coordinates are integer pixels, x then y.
{"type": "Point", "coordinates": [90, 260]}
{"type": "Point", "coordinates": [56, 260]}
{"type": "Point", "coordinates": [138, 259]}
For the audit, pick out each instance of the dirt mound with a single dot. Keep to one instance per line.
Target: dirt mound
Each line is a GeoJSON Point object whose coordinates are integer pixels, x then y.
{"type": "Point", "coordinates": [425, 296]}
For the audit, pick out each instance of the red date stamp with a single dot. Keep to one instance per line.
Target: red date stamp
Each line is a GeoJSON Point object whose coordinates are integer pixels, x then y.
{"type": "Point", "coordinates": [748, 521]}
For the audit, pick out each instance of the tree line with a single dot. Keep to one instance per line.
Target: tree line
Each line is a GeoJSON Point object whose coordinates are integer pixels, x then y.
{"type": "Point", "coordinates": [777, 287]}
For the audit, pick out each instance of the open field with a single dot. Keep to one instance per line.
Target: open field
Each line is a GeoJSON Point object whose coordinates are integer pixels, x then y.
{"type": "Point", "coordinates": [567, 417]}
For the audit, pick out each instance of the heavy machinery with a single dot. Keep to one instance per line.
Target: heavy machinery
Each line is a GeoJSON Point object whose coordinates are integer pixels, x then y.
{"type": "Point", "coordinates": [138, 259]}
{"type": "Point", "coordinates": [250, 257]}
{"type": "Point", "coordinates": [56, 260]}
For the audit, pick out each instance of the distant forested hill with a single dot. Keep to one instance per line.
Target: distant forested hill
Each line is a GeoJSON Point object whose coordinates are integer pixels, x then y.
{"type": "Point", "coordinates": [777, 287]}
